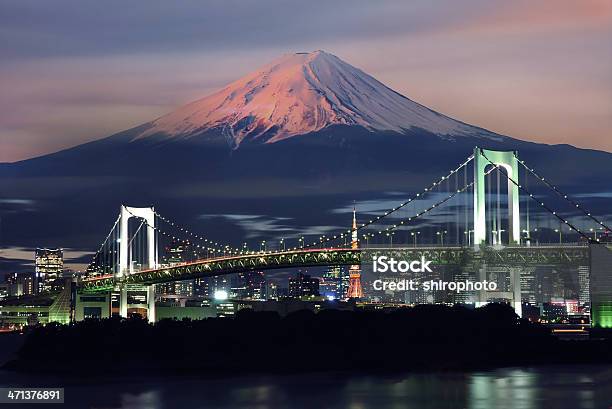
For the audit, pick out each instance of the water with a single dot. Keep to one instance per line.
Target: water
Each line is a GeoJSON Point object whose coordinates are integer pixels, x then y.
{"type": "Point", "coordinates": [567, 387]}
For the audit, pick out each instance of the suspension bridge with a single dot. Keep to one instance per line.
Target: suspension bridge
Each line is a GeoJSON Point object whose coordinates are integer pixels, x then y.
{"type": "Point", "coordinates": [489, 214]}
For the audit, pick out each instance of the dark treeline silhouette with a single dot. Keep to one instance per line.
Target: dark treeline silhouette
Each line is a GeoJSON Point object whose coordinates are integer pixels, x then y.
{"type": "Point", "coordinates": [423, 337]}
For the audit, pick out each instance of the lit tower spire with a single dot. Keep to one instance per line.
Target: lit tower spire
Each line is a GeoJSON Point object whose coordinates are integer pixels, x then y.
{"type": "Point", "coordinates": [354, 242]}
{"type": "Point", "coordinates": [355, 290]}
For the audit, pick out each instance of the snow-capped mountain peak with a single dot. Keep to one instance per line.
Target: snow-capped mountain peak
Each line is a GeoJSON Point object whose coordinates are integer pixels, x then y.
{"type": "Point", "coordinates": [302, 93]}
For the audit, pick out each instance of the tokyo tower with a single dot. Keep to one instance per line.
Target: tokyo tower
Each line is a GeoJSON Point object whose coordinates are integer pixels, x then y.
{"type": "Point", "coordinates": [354, 289]}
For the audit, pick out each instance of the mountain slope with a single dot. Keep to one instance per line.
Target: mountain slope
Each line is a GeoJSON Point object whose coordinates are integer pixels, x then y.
{"type": "Point", "coordinates": [302, 93]}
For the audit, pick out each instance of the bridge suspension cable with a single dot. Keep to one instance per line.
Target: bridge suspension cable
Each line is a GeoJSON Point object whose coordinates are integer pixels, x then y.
{"type": "Point", "coordinates": [196, 236]}
{"type": "Point", "coordinates": [215, 248]}
{"type": "Point", "coordinates": [561, 194]}
{"type": "Point", "coordinates": [542, 204]}
{"type": "Point", "coordinates": [430, 208]}
{"type": "Point", "coordinates": [361, 226]}
{"type": "Point", "coordinates": [402, 222]}
{"type": "Point", "coordinates": [97, 253]}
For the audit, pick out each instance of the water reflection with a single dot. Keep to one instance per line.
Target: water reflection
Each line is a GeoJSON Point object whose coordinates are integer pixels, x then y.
{"type": "Point", "coordinates": [532, 389]}
{"type": "Point", "coordinates": [547, 388]}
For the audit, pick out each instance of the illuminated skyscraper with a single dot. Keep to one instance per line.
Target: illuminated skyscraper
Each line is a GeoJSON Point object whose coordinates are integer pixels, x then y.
{"type": "Point", "coordinates": [584, 290]}
{"type": "Point", "coordinates": [49, 267]}
{"type": "Point", "coordinates": [303, 286]}
{"type": "Point", "coordinates": [201, 287]}
{"type": "Point", "coordinates": [355, 290]}
{"type": "Point", "coordinates": [177, 253]}
{"type": "Point", "coordinates": [20, 284]}
{"type": "Point", "coordinates": [331, 283]}
{"type": "Point", "coordinates": [271, 291]}
{"type": "Point", "coordinates": [255, 285]}
{"type": "Point", "coordinates": [528, 286]}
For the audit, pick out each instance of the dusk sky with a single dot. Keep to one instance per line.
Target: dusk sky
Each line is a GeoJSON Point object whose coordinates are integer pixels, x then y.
{"type": "Point", "coordinates": [536, 70]}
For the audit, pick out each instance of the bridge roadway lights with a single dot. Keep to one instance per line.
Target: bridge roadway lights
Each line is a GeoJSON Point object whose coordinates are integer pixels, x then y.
{"type": "Point", "coordinates": [509, 259]}
{"type": "Point", "coordinates": [518, 256]}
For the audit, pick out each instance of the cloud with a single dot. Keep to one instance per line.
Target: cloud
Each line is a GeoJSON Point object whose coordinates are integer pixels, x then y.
{"type": "Point", "coordinates": [15, 205]}
{"type": "Point", "coordinates": [600, 195]}
{"type": "Point", "coordinates": [262, 226]}
{"type": "Point", "coordinates": [18, 259]}
{"type": "Point", "coordinates": [523, 15]}
{"type": "Point", "coordinates": [16, 201]}
{"type": "Point", "coordinates": [68, 27]}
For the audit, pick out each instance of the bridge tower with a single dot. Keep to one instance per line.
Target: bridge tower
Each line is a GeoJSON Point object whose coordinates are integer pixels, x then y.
{"type": "Point", "coordinates": [148, 214]}
{"type": "Point", "coordinates": [125, 267]}
{"type": "Point", "coordinates": [355, 290]}
{"type": "Point", "coordinates": [509, 161]}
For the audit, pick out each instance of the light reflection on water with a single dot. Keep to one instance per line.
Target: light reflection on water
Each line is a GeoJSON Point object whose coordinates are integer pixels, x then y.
{"type": "Point", "coordinates": [548, 388]}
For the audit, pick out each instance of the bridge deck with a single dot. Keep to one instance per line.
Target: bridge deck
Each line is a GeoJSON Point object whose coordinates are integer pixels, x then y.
{"type": "Point", "coordinates": [508, 256]}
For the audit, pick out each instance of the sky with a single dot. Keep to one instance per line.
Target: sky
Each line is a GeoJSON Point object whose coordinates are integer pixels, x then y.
{"type": "Point", "coordinates": [74, 71]}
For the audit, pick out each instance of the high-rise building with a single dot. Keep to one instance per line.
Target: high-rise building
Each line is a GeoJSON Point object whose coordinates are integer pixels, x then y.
{"type": "Point", "coordinates": [344, 281]}
{"type": "Point", "coordinates": [354, 290]}
{"type": "Point", "coordinates": [19, 284]}
{"type": "Point", "coordinates": [183, 288]}
{"type": "Point", "coordinates": [303, 285]}
{"type": "Point", "coordinates": [4, 290]}
{"type": "Point", "coordinates": [549, 285]}
{"type": "Point", "coordinates": [238, 286]}
{"type": "Point", "coordinates": [272, 291]}
{"type": "Point", "coordinates": [175, 288]}
{"type": "Point", "coordinates": [464, 297]}
{"type": "Point", "coordinates": [331, 283]}
{"type": "Point", "coordinates": [528, 286]}
{"type": "Point", "coordinates": [177, 253]}
{"type": "Point", "coordinates": [49, 266]}
{"type": "Point", "coordinates": [255, 285]}
{"type": "Point", "coordinates": [601, 285]}
{"type": "Point", "coordinates": [201, 287]}
{"type": "Point", "coordinates": [219, 283]}
{"type": "Point", "coordinates": [584, 291]}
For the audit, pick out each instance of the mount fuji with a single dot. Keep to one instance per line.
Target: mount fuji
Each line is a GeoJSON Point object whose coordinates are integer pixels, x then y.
{"type": "Point", "coordinates": [303, 93]}
{"type": "Point", "coordinates": [280, 149]}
